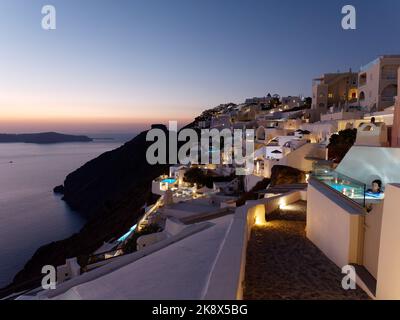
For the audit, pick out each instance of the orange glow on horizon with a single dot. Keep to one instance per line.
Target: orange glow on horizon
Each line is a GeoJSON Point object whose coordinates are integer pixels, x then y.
{"type": "Point", "coordinates": [16, 111]}
{"type": "Point", "coordinates": [80, 111]}
{"type": "Point", "coordinates": [82, 124]}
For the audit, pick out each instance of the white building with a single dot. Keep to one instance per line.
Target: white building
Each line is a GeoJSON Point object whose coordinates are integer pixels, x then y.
{"type": "Point", "coordinates": [377, 83]}
{"type": "Point", "coordinates": [291, 102]}
{"type": "Point", "coordinates": [221, 121]}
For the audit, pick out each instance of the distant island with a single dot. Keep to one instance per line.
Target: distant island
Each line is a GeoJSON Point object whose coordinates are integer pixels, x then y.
{"type": "Point", "coordinates": [107, 139]}
{"type": "Point", "coordinates": [42, 138]}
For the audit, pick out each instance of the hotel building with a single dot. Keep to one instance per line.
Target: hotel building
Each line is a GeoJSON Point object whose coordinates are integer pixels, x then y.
{"type": "Point", "coordinates": [377, 83]}
{"type": "Point", "coordinates": [335, 90]}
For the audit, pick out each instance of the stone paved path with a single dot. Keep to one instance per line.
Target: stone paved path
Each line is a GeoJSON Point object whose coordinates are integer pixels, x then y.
{"type": "Point", "coordinates": [283, 264]}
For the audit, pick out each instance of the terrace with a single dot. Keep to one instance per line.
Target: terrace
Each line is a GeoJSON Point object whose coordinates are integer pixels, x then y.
{"type": "Point", "coordinates": [349, 187]}
{"type": "Point", "coordinates": [283, 264]}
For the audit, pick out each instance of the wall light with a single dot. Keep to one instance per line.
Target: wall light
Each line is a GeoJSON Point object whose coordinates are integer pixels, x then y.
{"type": "Point", "coordinates": [282, 204]}
{"type": "Point", "coordinates": [258, 221]}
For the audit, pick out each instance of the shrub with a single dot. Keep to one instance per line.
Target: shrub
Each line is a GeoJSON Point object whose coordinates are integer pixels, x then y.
{"type": "Point", "coordinates": [196, 175]}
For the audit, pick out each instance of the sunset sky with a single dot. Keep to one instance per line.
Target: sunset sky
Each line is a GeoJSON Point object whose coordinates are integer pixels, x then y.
{"type": "Point", "coordinates": [116, 66]}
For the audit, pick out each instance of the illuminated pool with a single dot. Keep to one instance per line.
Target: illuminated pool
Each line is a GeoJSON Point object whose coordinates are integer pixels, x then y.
{"type": "Point", "coordinates": [348, 189]}
{"type": "Point", "coordinates": [126, 235]}
{"type": "Point", "coordinates": [169, 181]}
{"type": "Point", "coordinates": [351, 188]}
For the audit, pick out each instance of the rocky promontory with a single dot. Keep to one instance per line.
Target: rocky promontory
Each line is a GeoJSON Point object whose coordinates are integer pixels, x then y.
{"type": "Point", "coordinates": [110, 191]}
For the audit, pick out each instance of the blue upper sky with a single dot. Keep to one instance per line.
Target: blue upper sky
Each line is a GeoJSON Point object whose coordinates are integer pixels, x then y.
{"type": "Point", "coordinates": [152, 60]}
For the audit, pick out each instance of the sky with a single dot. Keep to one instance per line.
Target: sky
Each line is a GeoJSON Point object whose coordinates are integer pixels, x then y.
{"type": "Point", "coordinates": [119, 65]}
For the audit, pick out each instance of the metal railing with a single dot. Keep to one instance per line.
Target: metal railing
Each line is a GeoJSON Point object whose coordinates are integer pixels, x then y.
{"type": "Point", "coordinates": [351, 188]}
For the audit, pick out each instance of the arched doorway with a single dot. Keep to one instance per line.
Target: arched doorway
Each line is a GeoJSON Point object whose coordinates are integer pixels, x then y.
{"type": "Point", "coordinates": [260, 133]}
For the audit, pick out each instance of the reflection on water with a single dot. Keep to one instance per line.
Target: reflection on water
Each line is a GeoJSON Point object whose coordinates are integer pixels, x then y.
{"type": "Point", "coordinates": [351, 188]}
{"type": "Point", "coordinates": [30, 214]}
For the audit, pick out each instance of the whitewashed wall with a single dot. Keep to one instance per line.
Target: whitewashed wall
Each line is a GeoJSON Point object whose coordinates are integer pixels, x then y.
{"type": "Point", "coordinates": [388, 281]}
{"type": "Point", "coordinates": [334, 226]}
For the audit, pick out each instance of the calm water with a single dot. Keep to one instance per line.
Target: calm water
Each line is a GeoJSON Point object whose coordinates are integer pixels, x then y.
{"type": "Point", "coordinates": [30, 214]}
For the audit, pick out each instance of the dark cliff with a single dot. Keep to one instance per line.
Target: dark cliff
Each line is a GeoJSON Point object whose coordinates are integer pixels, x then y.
{"type": "Point", "coordinates": [110, 190]}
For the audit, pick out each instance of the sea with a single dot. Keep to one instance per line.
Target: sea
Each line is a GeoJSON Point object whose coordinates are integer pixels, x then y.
{"type": "Point", "coordinates": [31, 215]}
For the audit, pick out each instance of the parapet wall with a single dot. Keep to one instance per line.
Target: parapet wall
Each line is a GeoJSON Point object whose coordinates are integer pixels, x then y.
{"type": "Point", "coordinates": [227, 276]}
{"type": "Point", "coordinates": [334, 224]}
{"type": "Point", "coordinates": [388, 280]}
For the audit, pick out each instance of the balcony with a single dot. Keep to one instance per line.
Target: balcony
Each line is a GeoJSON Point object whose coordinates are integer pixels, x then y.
{"type": "Point", "coordinates": [362, 81]}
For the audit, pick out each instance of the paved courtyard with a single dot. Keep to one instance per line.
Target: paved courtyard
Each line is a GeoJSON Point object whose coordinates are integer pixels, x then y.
{"type": "Point", "coordinates": [283, 264]}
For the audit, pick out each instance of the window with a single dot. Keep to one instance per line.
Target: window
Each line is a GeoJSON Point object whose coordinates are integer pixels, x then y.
{"type": "Point", "coordinates": [363, 79]}
{"type": "Point", "coordinates": [330, 95]}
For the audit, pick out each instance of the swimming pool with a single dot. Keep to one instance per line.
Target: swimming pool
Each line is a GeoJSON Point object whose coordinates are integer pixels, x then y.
{"type": "Point", "coordinates": [351, 188]}
{"type": "Point", "coordinates": [169, 181]}
{"type": "Point", "coordinates": [126, 235]}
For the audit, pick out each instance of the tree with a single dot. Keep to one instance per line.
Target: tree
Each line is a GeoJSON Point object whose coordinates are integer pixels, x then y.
{"type": "Point", "coordinates": [196, 175]}
{"type": "Point", "coordinates": [340, 144]}
{"type": "Point", "coordinates": [308, 102]}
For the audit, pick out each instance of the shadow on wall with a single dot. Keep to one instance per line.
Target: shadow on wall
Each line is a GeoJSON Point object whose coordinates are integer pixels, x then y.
{"type": "Point", "coordinates": [367, 164]}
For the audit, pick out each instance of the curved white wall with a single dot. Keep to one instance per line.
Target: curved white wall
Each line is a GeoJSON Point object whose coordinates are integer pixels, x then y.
{"type": "Point", "coordinates": [366, 164]}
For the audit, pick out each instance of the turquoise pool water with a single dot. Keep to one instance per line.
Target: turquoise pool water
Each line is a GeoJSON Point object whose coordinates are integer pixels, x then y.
{"type": "Point", "coordinates": [126, 235]}
{"type": "Point", "coordinates": [349, 187]}
{"type": "Point", "coordinates": [169, 181]}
